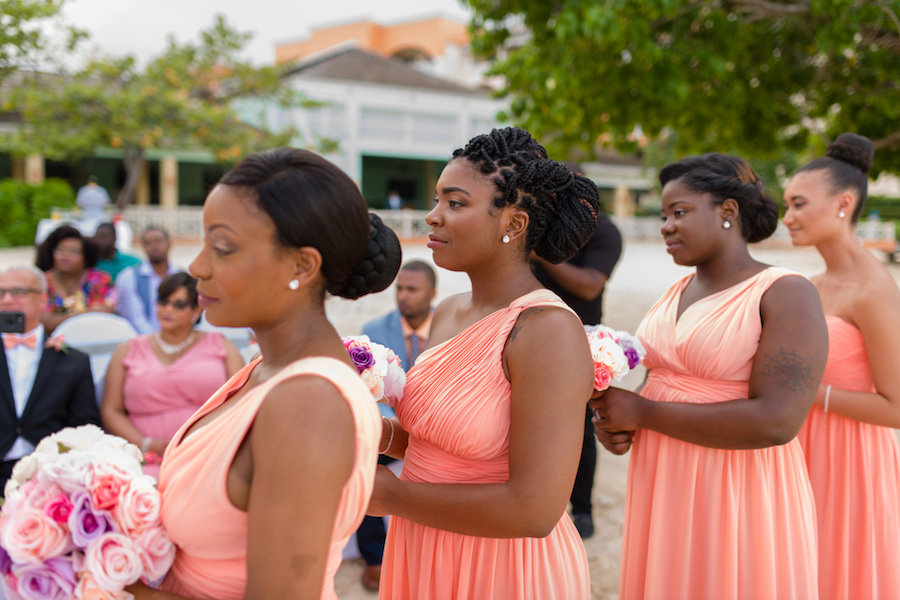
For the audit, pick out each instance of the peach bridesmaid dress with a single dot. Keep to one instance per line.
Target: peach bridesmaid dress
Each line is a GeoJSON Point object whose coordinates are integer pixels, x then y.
{"type": "Point", "coordinates": [456, 408]}
{"type": "Point", "coordinates": [209, 531]}
{"type": "Point", "coordinates": [855, 472]}
{"type": "Point", "coordinates": [705, 523]}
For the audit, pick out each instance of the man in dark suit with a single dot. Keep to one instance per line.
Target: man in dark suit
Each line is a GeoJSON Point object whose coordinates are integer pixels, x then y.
{"type": "Point", "coordinates": [42, 389]}
{"type": "Point", "coordinates": [405, 331]}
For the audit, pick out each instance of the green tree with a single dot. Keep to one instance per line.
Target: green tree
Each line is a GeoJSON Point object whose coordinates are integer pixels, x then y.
{"type": "Point", "coordinates": [26, 30]}
{"type": "Point", "coordinates": [755, 77]}
{"type": "Point", "coordinates": [195, 95]}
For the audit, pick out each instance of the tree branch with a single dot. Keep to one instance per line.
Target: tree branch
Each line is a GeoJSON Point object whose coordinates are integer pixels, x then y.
{"type": "Point", "coordinates": [762, 9]}
{"type": "Point", "coordinates": [891, 141]}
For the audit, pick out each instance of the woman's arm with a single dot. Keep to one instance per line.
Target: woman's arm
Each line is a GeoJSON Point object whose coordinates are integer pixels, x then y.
{"type": "Point", "coordinates": [785, 375]}
{"type": "Point", "coordinates": [876, 313]}
{"type": "Point", "coordinates": [52, 320]}
{"type": "Point", "coordinates": [303, 449]}
{"type": "Point", "coordinates": [234, 362]}
{"type": "Point", "coordinates": [551, 374]}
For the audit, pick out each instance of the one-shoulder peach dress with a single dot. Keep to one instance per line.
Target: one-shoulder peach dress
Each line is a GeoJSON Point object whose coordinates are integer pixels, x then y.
{"type": "Point", "coordinates": [855, 472]}
{"type": "Point", "coordinates": [211, 533]}
{"type": "Point", "coordinates": [456, 408]}
{"type": "Point", "coordinates": [706, 523]}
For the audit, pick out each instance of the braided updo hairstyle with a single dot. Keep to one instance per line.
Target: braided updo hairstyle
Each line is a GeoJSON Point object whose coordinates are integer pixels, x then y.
{"type": "Point", "coordinates": [313, 203]}
{"type": "Point", "coordinates": [562, 207]}
{"type": "Point", "coordinates": [847, 161]}
{"type": "Point", "coordinates": [723, 176]}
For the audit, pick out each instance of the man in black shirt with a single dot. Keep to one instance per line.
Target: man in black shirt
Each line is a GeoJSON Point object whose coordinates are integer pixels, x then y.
{"type": "Point", "coordinates": [580, 282]}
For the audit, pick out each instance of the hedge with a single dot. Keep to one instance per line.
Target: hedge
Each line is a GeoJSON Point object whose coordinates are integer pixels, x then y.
{"type": "Point", "coordinates": [22, 205]}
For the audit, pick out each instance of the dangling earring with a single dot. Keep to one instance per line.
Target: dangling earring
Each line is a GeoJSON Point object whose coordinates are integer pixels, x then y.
{"type": "Point", "coordinates": [294, 284]}
{"type": "Point", "coordinates": [506, 239]}
{"type": "Point", "coordinates": [842, 214]}
{"type": "Point", "coordinates": [726, 224]}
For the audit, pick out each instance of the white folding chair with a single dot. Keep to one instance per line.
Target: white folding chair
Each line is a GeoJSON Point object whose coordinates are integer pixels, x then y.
{"type": "Point", "coordinates": [97, 335]}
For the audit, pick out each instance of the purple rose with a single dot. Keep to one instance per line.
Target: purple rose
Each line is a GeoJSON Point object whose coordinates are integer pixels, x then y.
{"type": "Point", "coordinates": [633, 356]}
{"type": "Point", "coordinates": [85, 523]}
{"type": "Point", "coordinates": [5, 562]}
{"type": "Point", "coordinates": [53, 579]}
{"type": "Point", "coordinates": [362, 358]}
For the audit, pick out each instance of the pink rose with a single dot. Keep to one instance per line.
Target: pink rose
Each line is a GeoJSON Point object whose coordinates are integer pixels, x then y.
{"type": "Point", "coordinates": [41, 493]}
{"type": "Point", "coordinates": [105, 491]}
{"type": "Point", "coordinates": [113, 561]}
{"type": "Point", "coordinates": [602, 377]}
{"type": "Point", "coordinates": [30, 535]}
{"type": "Point", "coordinates": [157, 552]}
{"type": "Point", "coordinates": [88, 589]}
{"type": "Point", "coordinates": [59, 508]}
{"type": "Point", "coordinates": [138, 506]}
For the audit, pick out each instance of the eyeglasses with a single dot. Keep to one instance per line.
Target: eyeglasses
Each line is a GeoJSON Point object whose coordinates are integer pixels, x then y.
{"type": "Point", "coordinates": [67, 252]}
{"type": "Point", "coordinates": [176, 304]}
{"type": "Point", "coordinates": [18, 292]}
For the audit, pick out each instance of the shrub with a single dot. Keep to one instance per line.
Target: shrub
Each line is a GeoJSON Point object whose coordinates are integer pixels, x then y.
{"type": "Point", "coordinates": [23, 205]}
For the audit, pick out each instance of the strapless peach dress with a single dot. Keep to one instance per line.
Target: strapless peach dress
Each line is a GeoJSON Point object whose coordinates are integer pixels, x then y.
{"type": "Point", "coordinates": [706, 523]}
{"type": "Point", "coordinates": [209, 531]}
{"type": "Point", "coordinates": [855, 472]}
{"type": "Point", "coordinates": [456, 408]}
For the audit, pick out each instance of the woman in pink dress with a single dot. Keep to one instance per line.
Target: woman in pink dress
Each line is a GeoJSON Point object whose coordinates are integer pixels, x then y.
{"type": "Point", "coordinates": [490, 423]}
{"type": "Point", "coordinates": [850, 448]}
{"type": "Point", "coordinates": [718, 503]}
{"type": "Point", "coordinates": [154, 383]}
{"type": "Point", "coordinates": [262, 488]}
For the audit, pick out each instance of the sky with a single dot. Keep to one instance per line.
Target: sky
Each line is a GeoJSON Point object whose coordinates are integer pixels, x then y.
{"type": "Point", "coordinates": [141, 27]}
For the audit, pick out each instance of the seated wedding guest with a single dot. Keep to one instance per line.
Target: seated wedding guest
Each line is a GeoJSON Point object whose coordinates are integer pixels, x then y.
{"type": "Point", "coordinates": [111, 260]}
{"type": "Point", "coordinates": [44, 386]}
{"type": "Point", "coordinates": [405, 331]}
{"type": "Point", "coordinates": [718, 502]}
{"type": "Point", "coordinates": [74, 285]}
{"type": "Point", "coordinates": [490, 423]}
{"type": "Point", "coordinates": [264, 485]}
{"type": "Point", "coordinates": [136, 286]}
{"type": "Point", "coordinates": [155, 382]}
{"type": "Point", "coordinates": [848, 438]}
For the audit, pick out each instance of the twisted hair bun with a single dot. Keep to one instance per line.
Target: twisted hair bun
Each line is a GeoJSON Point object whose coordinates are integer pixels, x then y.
{"type": "Point", "coordinates": [379, 267]}
{"type": "Point", "coordinates": [854, 149]}
{"type": "Point", "coordinates": [562, 206]}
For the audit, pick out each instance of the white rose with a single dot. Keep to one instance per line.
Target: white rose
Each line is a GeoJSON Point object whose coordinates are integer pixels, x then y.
{"type": "Point", "coordinates": [607, 352]}
{"type": "Point", "coordinates": [80, 438]}
{"type": "Point", "coordinates": [26, 467]}
{"type": "Point", "coordinates": [394, 381]}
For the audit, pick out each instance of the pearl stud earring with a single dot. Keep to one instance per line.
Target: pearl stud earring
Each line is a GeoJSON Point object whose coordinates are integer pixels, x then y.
{"type": "Point", "coordinates": [726, 224]}
{"type": "Point", "coordinates": [294, 284]}
{"type": "Point", "coordinates": [506, 239]}
{"type": "Point", "coordinates": [842, 214]}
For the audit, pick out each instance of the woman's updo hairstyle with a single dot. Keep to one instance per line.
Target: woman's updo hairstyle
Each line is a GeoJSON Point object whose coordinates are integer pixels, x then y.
{"type": "Point", "coordinates": [723, 176]}
{"type": "Point", "coordinates": [847, 162]}
{"type": "Point", "coordinates": [562, 207]}
{"type": "Point", "coordinates": [313, 203]}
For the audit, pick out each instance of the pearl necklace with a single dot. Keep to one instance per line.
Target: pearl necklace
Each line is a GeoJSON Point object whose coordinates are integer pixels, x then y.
{"type": "Point", "coordinates": [169, 349]}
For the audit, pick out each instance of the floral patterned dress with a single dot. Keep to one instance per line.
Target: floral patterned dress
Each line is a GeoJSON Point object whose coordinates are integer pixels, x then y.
{"type": "Point", "coordinates": [94, 291]}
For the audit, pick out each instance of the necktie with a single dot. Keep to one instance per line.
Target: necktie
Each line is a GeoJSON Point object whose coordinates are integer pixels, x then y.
{"type": "Point", "coordinates": [11, 341]}
{"type": "Point", "coordinates": [415, 349]}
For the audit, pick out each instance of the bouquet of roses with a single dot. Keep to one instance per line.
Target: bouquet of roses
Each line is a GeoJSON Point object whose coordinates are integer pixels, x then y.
{"type": "Point", "coordinates": [615, 353]}
{"type": "Point", "coordinates": [81, 520]}
{"type": "Point", "coordinates": [379, 367]}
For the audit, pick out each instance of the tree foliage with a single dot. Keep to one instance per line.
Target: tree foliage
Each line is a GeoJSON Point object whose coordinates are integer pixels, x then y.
{"type": "Point", "coordinates": [25, 32]}
{"type": "Point", "coordinates": [754, 77]}
{"type": "Point", "coordinates": [192, 96]}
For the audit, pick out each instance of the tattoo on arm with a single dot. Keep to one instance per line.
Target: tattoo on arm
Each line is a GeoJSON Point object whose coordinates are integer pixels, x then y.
{"type": "Point", "coordinates": [521, 322]}
{"type": "Point", "coordinates": [790, 370]}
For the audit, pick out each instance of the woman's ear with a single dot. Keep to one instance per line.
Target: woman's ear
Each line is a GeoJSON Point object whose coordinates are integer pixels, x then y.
{"type": "Point", "coordinates": [730, 211]}
{"type": "Point", "coordinates": [516, 223]}
{"type": "Point", "coordinates": [307, 265]}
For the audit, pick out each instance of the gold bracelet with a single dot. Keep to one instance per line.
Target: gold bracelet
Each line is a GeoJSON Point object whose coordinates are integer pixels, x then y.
{"type": "Point", "coordinates": [390, 439]}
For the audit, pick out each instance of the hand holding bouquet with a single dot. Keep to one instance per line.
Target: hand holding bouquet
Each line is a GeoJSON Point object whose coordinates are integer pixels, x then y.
{"type": "Point", "coordinates": [379, 367]}
{"type": "Point", "coordinates": [81, 520]}
{"type": "Point", "coordinates": [615, 353]}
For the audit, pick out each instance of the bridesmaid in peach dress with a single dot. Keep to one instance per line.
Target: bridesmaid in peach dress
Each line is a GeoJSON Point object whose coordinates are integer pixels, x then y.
{"type": "Point", "coordinates": [718, 503]}
{"type": "Point", "coordinates": [851, 450]}
{"type": "Point", "coordinates": [264, 485]}
{"type": "Point", "coordinates": [492, 408]}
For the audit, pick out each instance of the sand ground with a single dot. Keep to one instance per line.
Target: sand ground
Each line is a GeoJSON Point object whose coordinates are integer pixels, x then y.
{"type": "Point", "coordinates": [643, 274]}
